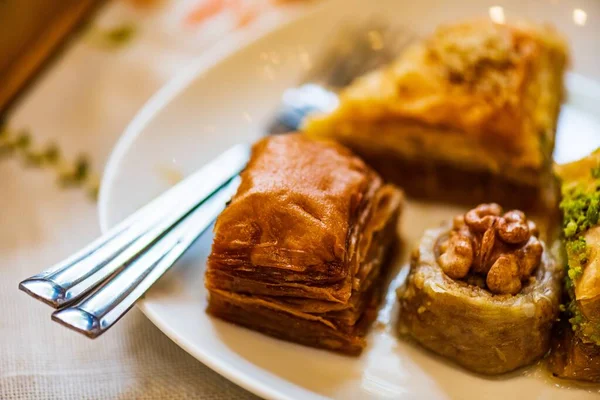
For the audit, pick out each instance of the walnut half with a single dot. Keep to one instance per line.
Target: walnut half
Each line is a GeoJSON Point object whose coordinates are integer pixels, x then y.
{"type": "Point", "coordinates": [457, 257]}
{"type": "Point", "coordinates": [502, 248]}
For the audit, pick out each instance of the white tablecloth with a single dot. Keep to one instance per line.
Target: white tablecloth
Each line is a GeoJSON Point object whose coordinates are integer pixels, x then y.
{"type": "Point", "coordinates": [83, 102]}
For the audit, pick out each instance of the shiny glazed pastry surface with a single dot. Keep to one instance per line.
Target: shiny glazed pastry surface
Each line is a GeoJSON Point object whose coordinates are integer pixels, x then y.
{"type": "Point", "coordinates": [302, 250]}
{"type": "Point", "coordinates": [482, 293]}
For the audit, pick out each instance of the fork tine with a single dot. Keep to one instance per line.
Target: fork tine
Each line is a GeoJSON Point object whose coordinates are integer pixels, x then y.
{"type": "Point", "coordinates": [78, 275]}
{"type": "Point", "coordinates": [335, 56]}
{"type": "Point", "coordinates": [99, 311]}
{"type": "Point", "coordinates": [353, 52]}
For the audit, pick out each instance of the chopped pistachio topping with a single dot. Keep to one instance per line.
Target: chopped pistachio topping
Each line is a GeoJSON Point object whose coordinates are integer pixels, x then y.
{"type": "Point", "coordinates": [575, 273]}
{"type": "Point", "coordinates": [581, 211]}
{"type": "Point", "coordinates": [576, 318]}
{"type": "Point", "coordinates": [578, 256]}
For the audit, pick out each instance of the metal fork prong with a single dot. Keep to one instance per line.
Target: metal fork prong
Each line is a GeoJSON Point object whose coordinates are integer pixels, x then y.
{"type": "Point", "coordinates": [139, 246]}
{"type": "Point", "coordinates": [335, 55]}
{"type": "Point", "coordinates": [353, 53]}
{"type": "Point", "coordinates": [103, 308]}
{"type": "Point", "coordinates": [370, 55]}
{"type": "Point", "coordinates": [69, 280]}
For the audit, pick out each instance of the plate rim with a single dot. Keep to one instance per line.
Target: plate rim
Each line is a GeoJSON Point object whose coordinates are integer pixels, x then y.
{"type": "Point", "coordinates": [214, 55]}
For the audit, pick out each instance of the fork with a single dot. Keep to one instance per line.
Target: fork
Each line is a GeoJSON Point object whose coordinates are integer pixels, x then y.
{"type": "Point", "coordinates": [95, 287]}
{"type": "Point", "coordinates": [356, 50]}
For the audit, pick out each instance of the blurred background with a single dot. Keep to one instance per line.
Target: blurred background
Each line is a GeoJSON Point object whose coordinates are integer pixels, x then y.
{"type": "Point", "coordinates": [74, 73]}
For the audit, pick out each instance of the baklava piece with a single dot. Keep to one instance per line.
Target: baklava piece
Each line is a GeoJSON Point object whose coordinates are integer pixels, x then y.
{"type": "Point", "coordinates": [576, 351]}
{"type": "Point", "coordinates": [303, 248]}
{"type": "Point", "coordinates": [483, 293]}
{"type": "Point", "coordinates": [468, 114]}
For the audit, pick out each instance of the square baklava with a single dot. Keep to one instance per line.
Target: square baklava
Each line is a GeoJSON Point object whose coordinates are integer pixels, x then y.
{"type": "Point", "coordinates": [468, 114]}
{"type": "Point", "coordinates": [302, 250]}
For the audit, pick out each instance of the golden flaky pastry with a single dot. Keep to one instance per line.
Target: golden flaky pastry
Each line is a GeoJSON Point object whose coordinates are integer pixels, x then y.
{"type": "Point", "coordinates": [475, 96]}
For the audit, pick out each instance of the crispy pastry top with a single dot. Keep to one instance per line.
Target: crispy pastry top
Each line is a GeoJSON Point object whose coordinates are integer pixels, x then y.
{"type": "Point", "coordinates": [497, 82]}
{"type": "Point", "coordinates": [296, 208]}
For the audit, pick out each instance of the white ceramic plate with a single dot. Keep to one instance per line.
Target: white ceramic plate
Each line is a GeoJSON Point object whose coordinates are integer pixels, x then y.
{"type": "Point", "coordinates": [226, 97]}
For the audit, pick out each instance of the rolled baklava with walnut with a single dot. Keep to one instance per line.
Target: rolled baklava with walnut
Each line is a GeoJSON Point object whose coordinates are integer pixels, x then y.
{"type": "Point", "coordinates": [471, 111]}
{"type": "Point", "coordinates": [302, 250]}
{"type": "Point", "coordinates": [484, 292]}
{"type": "Point", "coordinates": [576, 350]}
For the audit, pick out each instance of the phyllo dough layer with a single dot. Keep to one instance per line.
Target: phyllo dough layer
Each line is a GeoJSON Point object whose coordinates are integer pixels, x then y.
{"type": "Point", "coordinates": [471, 108]}
{"type": "Point", "coordinates": [301, 251]}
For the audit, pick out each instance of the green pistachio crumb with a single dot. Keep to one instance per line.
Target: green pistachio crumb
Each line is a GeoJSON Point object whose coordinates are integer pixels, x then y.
{"type": "Point", "coordinates": [570, 229]}
{"type": "Point", "coordinates": [593, 210]}
{"type": "Point", "coordinates": [575, 273]}
{"type": "Point", "coordinates": [577, 251]}
{"type": "Point", "coordinates": [576, 320]}
{"type": "Point", "coordinates": [581, 211]}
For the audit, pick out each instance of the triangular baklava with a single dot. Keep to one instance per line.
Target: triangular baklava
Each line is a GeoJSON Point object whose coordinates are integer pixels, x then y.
{"type": "Point", "coordinates": [468, 114]}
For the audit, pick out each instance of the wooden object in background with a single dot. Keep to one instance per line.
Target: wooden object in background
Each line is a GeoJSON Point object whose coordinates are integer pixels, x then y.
{"type": "Point", "coordinates": [31, 31]}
